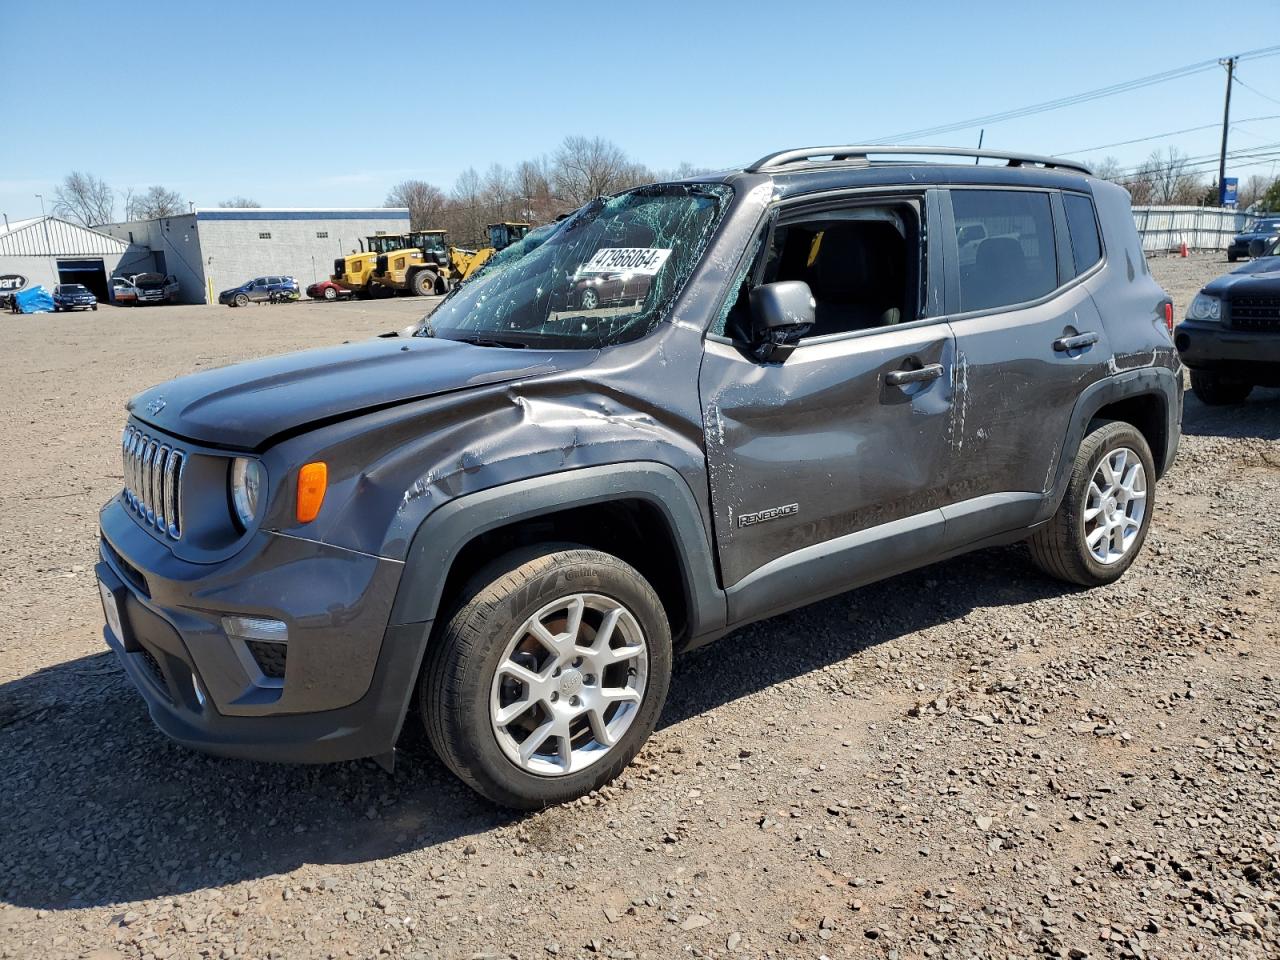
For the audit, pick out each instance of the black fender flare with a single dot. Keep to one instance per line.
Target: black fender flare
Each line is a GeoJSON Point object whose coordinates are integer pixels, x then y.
{"type": "Point", "coordinates": [1164, 383]}
{"type": "Point", "coordinates": [443, 532]}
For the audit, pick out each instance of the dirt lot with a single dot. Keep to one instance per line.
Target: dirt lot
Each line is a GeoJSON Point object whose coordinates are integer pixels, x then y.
{"type": "Point", "coordinates": [968, 761]}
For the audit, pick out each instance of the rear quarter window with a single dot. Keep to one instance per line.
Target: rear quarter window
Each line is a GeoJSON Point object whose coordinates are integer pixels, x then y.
{"type": "Point", "coordinates": [1082, 225]}
{"type": "Point", "coordinates": [1006, 247]}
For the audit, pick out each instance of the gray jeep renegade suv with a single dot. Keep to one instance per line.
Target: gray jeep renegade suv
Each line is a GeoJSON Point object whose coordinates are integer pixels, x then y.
{"type": "Point", "coordinates": [834, 368]}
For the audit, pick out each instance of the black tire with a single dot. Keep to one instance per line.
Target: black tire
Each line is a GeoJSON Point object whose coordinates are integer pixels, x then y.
{"type": "Point", "coordinates": [1059, 547]}
{"type": "Point", "coordinates": [423, 283]}
{"type": "Point", "coordinates": [330, 293]}
{"type": "Point", "coordinates": [1216, 390]}
{"type": "Point", "coordinates": [240, 300]}
{"type": "Point", "coordinates": [454, 689]}
{"type": "Point", "coordinates": [95, 306]}
{"type": "Point", "coordinates": [1231, 258]}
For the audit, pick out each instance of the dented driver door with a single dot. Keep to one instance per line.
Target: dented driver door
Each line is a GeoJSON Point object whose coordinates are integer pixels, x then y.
{"type": "Point", "coordinates": [825, 472]}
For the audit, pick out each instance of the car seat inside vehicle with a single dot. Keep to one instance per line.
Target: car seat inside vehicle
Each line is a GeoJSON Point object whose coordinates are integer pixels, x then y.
{"type": "Point", "coordinates": [855, 263]}
{"type": "Point", "coordinates": [862, 264]}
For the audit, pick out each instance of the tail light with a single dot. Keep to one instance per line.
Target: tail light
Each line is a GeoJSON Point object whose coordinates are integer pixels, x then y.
{"type": "Point", "coordinates": [1168, 315]}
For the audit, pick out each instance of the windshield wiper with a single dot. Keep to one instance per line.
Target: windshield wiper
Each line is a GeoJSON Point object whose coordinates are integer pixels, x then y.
{"type": "Point", "coordinates": [483, 341]}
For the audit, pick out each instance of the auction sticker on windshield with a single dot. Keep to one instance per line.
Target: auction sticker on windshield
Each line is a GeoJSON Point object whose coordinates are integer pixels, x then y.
{"type": "Point", "coordinates": [642, 260]}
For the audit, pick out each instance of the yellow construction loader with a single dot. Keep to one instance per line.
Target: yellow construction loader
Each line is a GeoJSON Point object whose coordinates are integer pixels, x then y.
{"type": "Point", "coordinates": [428, 263]}
{"type": "Point", "coordinates": [354, 272]}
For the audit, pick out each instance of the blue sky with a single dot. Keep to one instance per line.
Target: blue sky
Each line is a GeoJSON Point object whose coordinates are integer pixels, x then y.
{"type": "Point", "coordinates": [286, 102]}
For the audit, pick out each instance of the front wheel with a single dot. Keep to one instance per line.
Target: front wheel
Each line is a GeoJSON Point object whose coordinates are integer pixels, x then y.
{"type": "Point", "coordinates": [1217, 390]}
{"type": "Point", "coordinates": [1231, 258]}
{"type": "Point", "coordinates": [549, 677]}
{"type": "Point", "coordinates": [423, 283]}
{"type": "Point", "coordinates": [241, 300]}
{"type": "Point", "coordinates": [1103, 518]}
{"type": "Point", "coordinates": [330, 293]}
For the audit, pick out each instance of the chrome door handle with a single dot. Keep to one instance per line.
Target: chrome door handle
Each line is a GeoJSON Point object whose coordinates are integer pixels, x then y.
{"type": "Point", "coordinates": [1078, 342]}
{"type": "Point", "coordinates": [897, 378]}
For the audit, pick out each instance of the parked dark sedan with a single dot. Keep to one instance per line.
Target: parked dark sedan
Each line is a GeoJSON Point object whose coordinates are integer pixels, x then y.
{"type": "Point", "coordinates": [73, 296]}
{"type": "Point", "coordinates": [1261, 228]}
{"type": "Point", "coordinates": [260, 290]}
{"type": "Point", "coordinates": [1231, 336]}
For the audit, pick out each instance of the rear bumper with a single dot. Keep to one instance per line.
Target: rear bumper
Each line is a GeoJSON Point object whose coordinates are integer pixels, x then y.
{"type": "Point", "coordinates": [1212, 347]}
{"type": "Point", "coordinates": [348, 677]}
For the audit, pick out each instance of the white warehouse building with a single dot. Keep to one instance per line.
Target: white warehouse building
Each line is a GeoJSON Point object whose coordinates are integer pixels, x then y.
{"type": "Point", "coordinates": [209, 251]}
{"type": "Point", "coordinates": [47, 251]}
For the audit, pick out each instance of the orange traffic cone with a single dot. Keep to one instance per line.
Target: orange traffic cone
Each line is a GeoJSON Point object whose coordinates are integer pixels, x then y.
{"type": "Point", "coordinates": [1184, 249]}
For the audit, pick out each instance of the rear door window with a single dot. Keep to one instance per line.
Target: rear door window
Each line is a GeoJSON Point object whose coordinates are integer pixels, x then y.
{"type": "Point", "coordinates": [1006, 248]}
{"type": "Point", "coordinates": [1082, 225]}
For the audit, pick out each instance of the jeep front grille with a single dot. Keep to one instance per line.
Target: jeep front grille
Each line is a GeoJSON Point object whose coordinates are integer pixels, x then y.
{"type": "Point", "coordinates": [153, 480]}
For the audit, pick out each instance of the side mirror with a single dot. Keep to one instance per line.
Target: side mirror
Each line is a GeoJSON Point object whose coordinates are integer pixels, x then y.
{"type": "Point", "coordinates": [781, 313]}
{"type": "Point", "coordinates": [1257, 248]}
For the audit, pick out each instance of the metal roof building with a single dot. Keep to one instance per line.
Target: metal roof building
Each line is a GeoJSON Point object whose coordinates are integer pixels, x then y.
{"type": "Point", "coordinates": [210, 250]}
{"type": "Point", "coordinates": [46, 251]}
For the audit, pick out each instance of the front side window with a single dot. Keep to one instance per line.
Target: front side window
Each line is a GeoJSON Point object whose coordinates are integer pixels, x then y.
{"type": "Point", "coordinates": [1082, 225]}
{"type": "Point", "coordinates": [864, 265]}
{"type": "Point", "coordinates": [1012, 258]}
{"type": "Point", "coordinates": [608, 275]}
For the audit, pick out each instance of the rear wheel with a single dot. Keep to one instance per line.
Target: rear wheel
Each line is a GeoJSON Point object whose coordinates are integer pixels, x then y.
{"type": "Point", "coordinates": [1217, 390]}
{"type": "Point", "coordinates": [549, 677]}
{"type": "Point", "coordinates": [1103, 518]}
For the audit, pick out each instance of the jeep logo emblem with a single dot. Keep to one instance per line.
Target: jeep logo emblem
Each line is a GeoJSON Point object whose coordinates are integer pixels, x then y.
{"type": "Point", "coordinates": [11, 282]}
{"type": "Point", "coordinates": [155, 406]}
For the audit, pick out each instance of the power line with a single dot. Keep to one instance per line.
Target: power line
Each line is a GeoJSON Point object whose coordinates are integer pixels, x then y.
{"type": "Point", "coordinates": [1067, 101]}
{"type": "Point", "coordinates": [1160, 136]}
{"type": "Point", "coordinates": [1255, 90]}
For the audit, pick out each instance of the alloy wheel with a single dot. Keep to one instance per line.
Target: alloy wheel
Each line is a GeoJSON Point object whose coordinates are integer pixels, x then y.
{"type": "Point", "coordinates": [1115, 505]}
{"type": "Point", "coordinates": [569, 684]}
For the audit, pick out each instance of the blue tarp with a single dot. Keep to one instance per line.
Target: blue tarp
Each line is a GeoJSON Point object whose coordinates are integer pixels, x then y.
{"type": "Point", "coordinates": [34, 300]}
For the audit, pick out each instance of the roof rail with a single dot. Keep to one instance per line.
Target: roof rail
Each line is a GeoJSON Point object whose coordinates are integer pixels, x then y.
{"type": "Point", "coordinates": [861, 153]}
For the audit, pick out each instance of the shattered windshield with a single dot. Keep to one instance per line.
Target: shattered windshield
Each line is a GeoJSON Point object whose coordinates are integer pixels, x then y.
{"type": "Point", "coordinates": [607, 275]}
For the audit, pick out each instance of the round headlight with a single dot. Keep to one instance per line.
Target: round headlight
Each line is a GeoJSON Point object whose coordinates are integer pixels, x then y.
{"type": "Point", "coordinates": [247, 482]}
{"type": "Point", "coordinates": [1205, 307]}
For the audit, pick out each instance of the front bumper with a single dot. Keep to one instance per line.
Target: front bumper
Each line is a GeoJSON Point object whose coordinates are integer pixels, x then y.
{"type": "Point", "coordinates": [348, 677]}
{"type": "Point", "coordinates": [1204, 346]}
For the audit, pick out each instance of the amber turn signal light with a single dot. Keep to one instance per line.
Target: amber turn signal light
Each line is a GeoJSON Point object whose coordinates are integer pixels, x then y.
{"type": "Point", "coordinates": [313, 480]}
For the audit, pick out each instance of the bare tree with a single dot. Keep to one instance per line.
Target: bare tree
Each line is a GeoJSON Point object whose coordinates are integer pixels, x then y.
{"type": "Point", "coordinates": [501, 194]}
{"type": "Point", "coordinates": [1108, 168]}
{"type": "Point", "coordinates": [1172, 180]}
{"type": "Point", "coordinates": [157, 202]}
{"type": "Point", "coordinates": [84, 198]}
{"type": "Point", "coordinates": [425, 201]}
{"type": "Point", "coordinates": [238, 202]}
{"type": "Point", "coordinates": [585, 168]}
{"type": "Point", "coordinates": [1252, 190]}
{"type": "Point", "coordinates": [532, 180]}
{"type": "Point", "coordinates": [467, 208]}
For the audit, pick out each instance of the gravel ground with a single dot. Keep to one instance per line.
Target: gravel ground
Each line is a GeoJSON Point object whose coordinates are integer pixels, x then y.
{"type": "Point", "coordinates": [967, 761]}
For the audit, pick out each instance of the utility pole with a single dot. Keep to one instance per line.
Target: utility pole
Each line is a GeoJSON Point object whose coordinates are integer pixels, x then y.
{"type": "Point", "coordinates": [1230, 64]}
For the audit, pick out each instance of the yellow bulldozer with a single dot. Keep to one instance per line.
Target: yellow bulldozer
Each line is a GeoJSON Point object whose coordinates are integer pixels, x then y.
{"type": "Point", "coordinates": [354, 272]}
{"type": "Point", "coordinates": [428, 263]}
